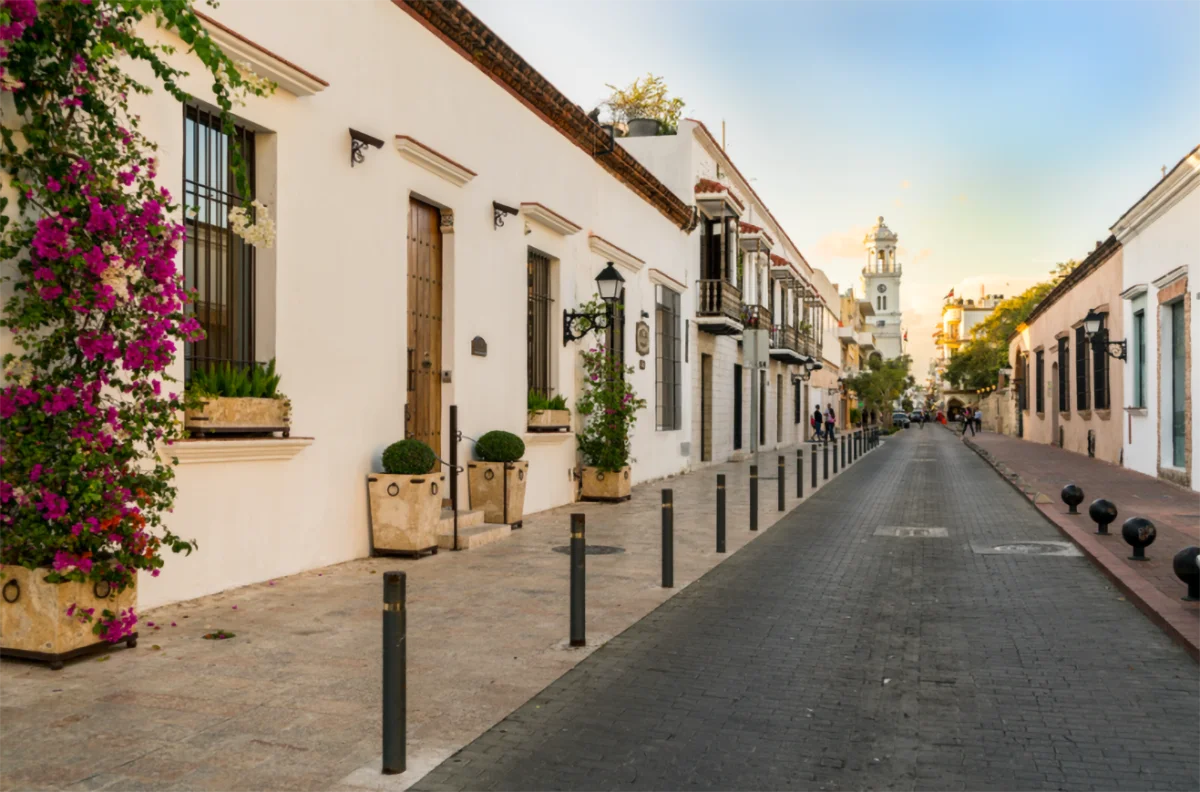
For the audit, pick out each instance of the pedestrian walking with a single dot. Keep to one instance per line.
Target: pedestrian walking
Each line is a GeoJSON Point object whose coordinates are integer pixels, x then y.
{"type": "Point", "coordinates": [817, 423]}
{"type": "Point", "coordinates": [968, 422]}
{"type": "Point", "coordinates": [830, 420]}
{"type": "Point", "coordinates": [921, 420]}
{"type": "Point", "coordinates": [978, 420]}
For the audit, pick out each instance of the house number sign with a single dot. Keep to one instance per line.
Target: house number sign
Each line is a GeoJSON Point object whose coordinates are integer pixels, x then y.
{"type": "Point", "coordinates": [643, 338]}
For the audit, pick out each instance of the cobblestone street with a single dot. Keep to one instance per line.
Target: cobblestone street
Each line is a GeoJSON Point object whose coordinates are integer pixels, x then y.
{"type": "Point", "coordinates": [825, 655]}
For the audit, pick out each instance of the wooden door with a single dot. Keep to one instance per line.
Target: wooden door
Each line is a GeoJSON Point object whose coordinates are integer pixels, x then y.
{"type": "Point", "coordinates": [423, 411]}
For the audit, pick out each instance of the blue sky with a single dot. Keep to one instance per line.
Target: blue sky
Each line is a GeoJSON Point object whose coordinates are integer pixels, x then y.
{"type": "Point", "coordinates": [995, 138]}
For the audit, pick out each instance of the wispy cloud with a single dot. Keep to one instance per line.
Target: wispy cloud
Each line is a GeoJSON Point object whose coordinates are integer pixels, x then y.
{"type": "Point", "coordinates": [843, 244]}
{"type": "Point", "coordinates": [904, 185]}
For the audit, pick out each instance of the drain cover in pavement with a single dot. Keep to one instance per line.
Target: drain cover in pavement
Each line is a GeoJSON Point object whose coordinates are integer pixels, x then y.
{"type": "Point", "coordinates": [1060, 549]}
{"type": "Point", "coordinates": [591, 550]}
{"type": "Point", "coordinates": [911, 532]}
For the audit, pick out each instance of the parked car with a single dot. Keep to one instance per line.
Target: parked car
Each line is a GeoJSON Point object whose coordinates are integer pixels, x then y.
{"type": "Point", "coordinates": [916, 416]}
{"type": "Point", "coordinates": [900, 419]}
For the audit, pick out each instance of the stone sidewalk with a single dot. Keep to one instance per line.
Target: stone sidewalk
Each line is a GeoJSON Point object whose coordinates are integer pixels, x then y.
{"type": "Point", "coordinates": [1152, 584]}
{"type": "Point", "coordinates": [293, 701]}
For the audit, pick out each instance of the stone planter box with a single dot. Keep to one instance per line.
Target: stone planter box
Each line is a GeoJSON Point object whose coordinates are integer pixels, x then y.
{"type": "Point", "coordinates": [498, 490]}
{"type": "Point", "coordinates": [33, 620]}
{"type": "Point", "coordinates": [549, 421]}
{"type": "Point", "coordinates": [601, 486]}
{"type": "Point", "coordinates": [238, 415]}
{"type": "Point", "coordinates": [406, 512]}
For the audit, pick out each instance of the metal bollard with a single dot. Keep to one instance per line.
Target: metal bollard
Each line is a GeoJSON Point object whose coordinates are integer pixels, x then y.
{"type": "Point", "coordinates": [578, 585]}
{"type": "Point", "coordinates": [754, 497]}
{"type": "Point", "coordinates": [814, 468]}
{"type": "Point", "coordinates": [844, 451]}
{"type": "Point", "coordinates": [799, 472]}
{"type": "Point", "coordinates": [825, 463]}
{"type": "Point", "coordinates": [781, 480]}
{"type": "Point", "coordinates": [720, 512]}
{"type": "Point", "coordinates": [668, 539]}
{"type": "Point", "coordinates": [835, 458]}
{"type": "Point", "coordinates": [395, 692]}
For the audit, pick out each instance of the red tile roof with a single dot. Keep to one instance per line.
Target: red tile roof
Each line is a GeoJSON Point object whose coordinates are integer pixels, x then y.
{"type": "Point", "coordinates": [747, 228]}
{"type": "Point", "coordinates": [710, 186]}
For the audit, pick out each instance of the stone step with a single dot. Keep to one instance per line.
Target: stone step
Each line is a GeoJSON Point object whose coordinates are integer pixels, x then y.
{"type": "Point", "coordinates": [473, 536]}
{"type": "Point", "coordinates": [466, 519]}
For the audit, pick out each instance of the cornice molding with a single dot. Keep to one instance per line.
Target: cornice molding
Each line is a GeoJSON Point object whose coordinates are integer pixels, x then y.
{"type": "Point", "coordinates": [663, 279]}
{"type": "Point", "coordinates": [1134, 291]}
{"type": "Point", "coordinates": [1170, 277]}
{"type": "Point", "coordinates": [1169, 190]}
{"type": "Point", "coordinates": [258, 449]}
{"type": "Point", "coordinates": [433, 161]}
{"type": "Point", "coordinates": [607, 250]}
{"type": "Point", "coordinates": [543, 215]}
{"type": "Point", "coordinates": [263, 62]}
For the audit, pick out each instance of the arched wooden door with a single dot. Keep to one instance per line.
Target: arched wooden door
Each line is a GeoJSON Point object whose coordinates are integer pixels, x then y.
{"type": "Point", "coordinates": [423, 411]}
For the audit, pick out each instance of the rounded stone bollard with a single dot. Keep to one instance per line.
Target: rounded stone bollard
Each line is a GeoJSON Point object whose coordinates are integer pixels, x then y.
{"type": "Point", "coordinates": [1072, 496]}
{"type": "Point", "coordinates": [1139, 533]}
{"type": "Point", "coordinates": [1187, 569]}
{"type": "Point", "coordinates": [1103, 513]}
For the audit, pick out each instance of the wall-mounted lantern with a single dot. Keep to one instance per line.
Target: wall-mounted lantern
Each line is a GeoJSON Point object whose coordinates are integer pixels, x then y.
{"type": "Point", "coordinates": [1099, 337]}
{"type": "Point", "coordinates": [359, 142]}
{"type": "Point", "coordinates": [807, 368]}
{"type": "Point", "coordinates": [577, 325]}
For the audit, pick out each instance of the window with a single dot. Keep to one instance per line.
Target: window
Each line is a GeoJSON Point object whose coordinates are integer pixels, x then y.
{"type": "Point", "coordinates": [1139, 358]}
{"type": "Point", "coordinates": [1064, 382]}
{"type": "Point", "coordinates": [537, 326]}
{"type": "Point", "coordinates": [1100, 366]}
{"type": "Point", "coordinates": [883, 303]}
{"type": "Point", "coordinates": [1178, 364]}
{"type": "Point", "coordinates": [668, 379]}
{"type": "Point", "coordinates": [1081, 369]}
{"type": "Point", "coordinates": [737, 406]}
{"type": "Point", "coordinates": [1040, 382]}
{"type": "Point", "coordinates": [216, 263]}
{"type": "Point", "coordinates": [1022, 383]}
{"type": "Point", "coordinates": [799, 410]}
{"type": "Point", "coordinates": [614, 336]}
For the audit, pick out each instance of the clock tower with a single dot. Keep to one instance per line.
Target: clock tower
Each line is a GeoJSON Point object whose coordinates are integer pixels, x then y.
{"type": "Point", "coordinates": [881, 285]}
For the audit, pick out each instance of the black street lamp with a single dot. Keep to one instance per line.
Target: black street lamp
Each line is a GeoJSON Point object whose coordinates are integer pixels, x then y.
{"type": "Point", "coordinates": [807, 368]}
{"type": "Point", "coordinates": [1099, 337]}
{"type": "Point", "coordinates": [576, 325]}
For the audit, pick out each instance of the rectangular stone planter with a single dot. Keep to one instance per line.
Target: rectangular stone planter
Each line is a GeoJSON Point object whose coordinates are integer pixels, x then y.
{"type": "Point", "coordinates": [602, 486]}
{"type": "Point", "coordinates": [406, 512]}
{"type": "Point", "coordinates": [549, 421]}
{"type": "Point", "coordinates": [33, 615]}
{"type": "Point", "coordinates": [238, 415]}
{"type": "Point", "coordinates": [498, 489]}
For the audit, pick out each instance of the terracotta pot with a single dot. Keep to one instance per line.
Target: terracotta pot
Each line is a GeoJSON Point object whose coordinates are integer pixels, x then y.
{"type": "Point", "coordinates": [33, 615]}
{"type": "Point", "coordinates": [549, 421]}
{"type": "Point", "coordinates": [601, 486]}
{"type": "Point", "coordinates": [498, 489]}
{"type": "Point", "coordinates": [406, 512]}
{"type": "Point", "coordinates": [230, 415]}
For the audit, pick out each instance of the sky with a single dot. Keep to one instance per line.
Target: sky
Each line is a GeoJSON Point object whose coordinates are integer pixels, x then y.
{"type": "Point", "coordinates": [996, 139]}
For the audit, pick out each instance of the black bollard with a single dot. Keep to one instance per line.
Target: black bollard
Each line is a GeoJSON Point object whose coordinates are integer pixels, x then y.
{"type": "Point", "coordinates": [781, 480]}
{"type": "Point", "coordinates": [668, 539]}
{"type": "Point", "coordinates": [1186, 570]}
{"type": "Point", "coordinates": [799, 472]}
{"type": "Point", "coordinates": [1072, 496]}
{"type": "Point", "coordinates": [825, 463]}
{"type": "Point", "coordinates": [720, 512]}
{"type": "Point", "coordinates": [835, 458]}
{"type": "Point", "coordinates": [578, 585]}
{"type": "Point", "coordinates": [843, 444]}
{"type": "Point", "coordinates": [814, 468]}
{"type": "Point", "coordinates": [754, 497]}
{"type": "Point", "coordinates": [395, 691]}
{"type": "Point", "coordinates": [1102, 513]}
{"type": "Point", "coordinates": [1139, 533]}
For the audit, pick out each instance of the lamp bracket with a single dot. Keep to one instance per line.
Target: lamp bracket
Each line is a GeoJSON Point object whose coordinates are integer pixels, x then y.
{"type": "Point", "coordinates": [576, 325]}
{"type": "Point", "coordinates": [498, 212]}
{"type": "Point", "coordinates": [358, 144]}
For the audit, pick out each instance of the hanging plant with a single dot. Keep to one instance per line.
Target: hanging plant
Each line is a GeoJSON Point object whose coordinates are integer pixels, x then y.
{"type": "Point", "coordinates": [97, 307]}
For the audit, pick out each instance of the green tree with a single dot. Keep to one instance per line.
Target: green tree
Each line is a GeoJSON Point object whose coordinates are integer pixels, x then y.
{"type": "Point", "coordinates": [881, 383]}
{"type": "Point", "coordinates": [646, 98]}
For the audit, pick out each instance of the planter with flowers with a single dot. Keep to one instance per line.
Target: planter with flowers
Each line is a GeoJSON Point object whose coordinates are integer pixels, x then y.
{"type": "Point", "coordinates": [227, 400]}
{"type": "Point", "coordinates": [609, 406]}
{"type": "Point", "coordinates": [496, 481]}
{"type": "Point", "coordinates": [548, 415]}
{"type": "Point", "coordinates": [95, 309]}
{"type": "Point", "coordinates": [406, 500]}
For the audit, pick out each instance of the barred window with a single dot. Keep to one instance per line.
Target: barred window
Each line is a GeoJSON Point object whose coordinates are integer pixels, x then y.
{"type": "Point", "coordinates": [1040, 382]}
{"type": "Point", "coordinates": [1139, 358]}
{"type": "Point", "coordinates": [1100, 366]}
{"type": "Point", "coordinates": [216, 263]}
{"type": "Point", "coordinates": [1081, 368]}
{"type": "Point", "coordinates": [668, 378]}
{"type": "Point", "coordinates": [1064, 381]}
{"type": "Point", "coordinates": [537, 329]}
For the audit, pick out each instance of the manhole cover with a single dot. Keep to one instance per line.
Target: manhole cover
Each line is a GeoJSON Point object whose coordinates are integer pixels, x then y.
{"type": "Point", "coordinates": [591, 550]}
{"type": "Point", "coordinates": [911, 532]}
{"type": "Point", "coordinates": [1060, 549]}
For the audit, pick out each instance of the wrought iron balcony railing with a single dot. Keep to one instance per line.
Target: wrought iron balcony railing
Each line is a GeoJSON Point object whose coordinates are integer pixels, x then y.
{"type": "Point", "coordinates": [718, 298]}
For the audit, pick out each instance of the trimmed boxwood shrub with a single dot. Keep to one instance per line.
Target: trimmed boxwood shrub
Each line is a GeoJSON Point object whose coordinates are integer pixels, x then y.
{"type": "Point", "coordinates": [499, 446]}
{"type": "Point", "coordinates": [408, 458]}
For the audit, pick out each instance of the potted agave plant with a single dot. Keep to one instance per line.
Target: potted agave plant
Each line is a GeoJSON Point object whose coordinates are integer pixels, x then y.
{"type": "Point", "coordinates": [610, 407]}
{"type": "Point", "coordinates": [496, 480]}
{"type": "Point", "coordinates": [548, 415]}
{"type": "Point", "coordinates": [227, 399]}
{"type": "Point", "coordinates": [406, 500]}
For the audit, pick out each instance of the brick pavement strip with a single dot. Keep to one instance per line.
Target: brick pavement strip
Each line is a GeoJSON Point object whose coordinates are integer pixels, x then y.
{"type": "Point", "coordinates": [825, 657]}
{"type": "Point", "coordinates": [1038, 470]}
{"type": "Point", "coordinates": [293, 701]}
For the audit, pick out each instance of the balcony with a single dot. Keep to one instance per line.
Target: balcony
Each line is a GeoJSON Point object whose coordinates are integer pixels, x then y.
{"type": "Point", "coordinates": [718, 307]}
{"type": "Point", "coordinates": [865, 339]}
{"type": "Point", "coordinates": [756, 317]}
{"type": "Point", "coordinates": [846, 335]}
{"type": "Point", "coordinates": [785, 344]}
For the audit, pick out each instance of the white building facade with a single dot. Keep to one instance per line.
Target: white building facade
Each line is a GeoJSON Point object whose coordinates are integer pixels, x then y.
{"type": "Point", "coordinates": [881, 284]}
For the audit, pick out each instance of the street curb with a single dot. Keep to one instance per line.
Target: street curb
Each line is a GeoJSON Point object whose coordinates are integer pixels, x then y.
{"type": "Point", "coordinates": [1157, 606]}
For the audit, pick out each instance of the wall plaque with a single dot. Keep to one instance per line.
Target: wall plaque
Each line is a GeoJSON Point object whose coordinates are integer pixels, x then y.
{"type": "Point", "coordinates": [478, 346]}
{"type": "Point", "coordinates": [642, 338]}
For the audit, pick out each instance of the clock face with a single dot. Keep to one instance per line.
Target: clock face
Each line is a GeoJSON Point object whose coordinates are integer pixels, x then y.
{"type": "Point", "coordinates": [882, 288]}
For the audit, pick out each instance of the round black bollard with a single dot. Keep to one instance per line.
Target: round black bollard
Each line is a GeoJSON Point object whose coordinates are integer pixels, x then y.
{"type": "Point", "coordinates": [843, 445]}
{"type": "Point", "coordinates": [668, 539]}
{"type": "Point", "coordinates": [754, 497]}
{"type": "Point", "coordinates": [799, 472]}
{"type": "Point", "coordinates": [395, 684]}
{"type": "Point", "coordinates": [813, 481]}
{"type": "Point", "coordinates": [1072, 496]}
{"type": "Point", "coordinates": [1139, 533]}
{"type": "Point", "coordinates": [1187, 569]}
{"type": "Point", "coordinates": [825, 463]}
{"type": "Point", "coordinates": [578, 583]}
{"type": "Point", "coordinates": [720, 512]}
{"type": "Point", "coordinates": [1103, 513]}
{"type": "Point", "coordinates": [835, 458]}
{"type": "Point", "coordinates": [781, 481]}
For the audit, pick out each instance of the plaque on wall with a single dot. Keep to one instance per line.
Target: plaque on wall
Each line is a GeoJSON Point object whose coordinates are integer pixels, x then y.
{"type": "Point", "coordinates": [642, 338]}
{"type": "Point", "coordinates": [478, 346]}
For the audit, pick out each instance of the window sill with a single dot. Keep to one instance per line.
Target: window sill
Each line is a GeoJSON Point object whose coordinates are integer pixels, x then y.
{"type": "Point", "coordinates": [1041, 414]}
{"type": "Point", "coordinates": [547, 438]}
{"type": "Point", "coordinates": [1137, 410]}
{"type": "Point", "coordinates": [252, 449]}
{"type": "Point", "coordinates": [1104, 415]}
{"type": "Point", "coordinates": [1084, 414]}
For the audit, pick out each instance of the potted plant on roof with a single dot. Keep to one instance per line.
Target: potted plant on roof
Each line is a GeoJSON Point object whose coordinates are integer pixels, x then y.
{"type": "Point", "coordinates": [609, 406]}
{"type": "Point", "coordinates": [496, 480]}
{"type": "Point", "coordinates": [406, 500]}
{"type": "Point", "coordinates": [645, 107]}
{"type": "Point", "coordinates": [228, 399]}
{"type": "Point", "coordinates": [548, 415]}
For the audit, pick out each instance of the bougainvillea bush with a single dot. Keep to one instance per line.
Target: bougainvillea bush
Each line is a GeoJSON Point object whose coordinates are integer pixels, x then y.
{"type": "Point", "coordinates": [610, 407]}
{"type": "Point", "coordinates": [94, 303]}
